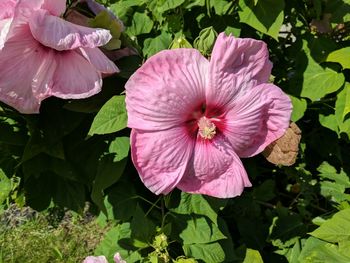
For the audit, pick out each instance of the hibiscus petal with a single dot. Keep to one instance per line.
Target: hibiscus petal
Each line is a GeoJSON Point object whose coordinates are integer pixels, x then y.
{"type": "Point", "coordinates": [161, 158]}
{"type": "Point", "coordinates": [99, 60]}
{"type": "Point", "coordinates": [215, 170]}
{"type": "Point", "coordinates": [257, 119]}
{"type": "Point", "coordinates": [4, 29]}
{"type": "Point", "coordinates": [75, 77]}
{"type": "Point", "coordinates": [236, 65]}
{"type": "Point", "coordinates": [26, 70]}
{"type": "Point", "coordinates": [7, 9]}
{"type": "Point", "coordinates": [162, 93]}
{"type": "Point", "coordinates": [55, 7]}
{"type": "Point", "coordinates": [59, 34]}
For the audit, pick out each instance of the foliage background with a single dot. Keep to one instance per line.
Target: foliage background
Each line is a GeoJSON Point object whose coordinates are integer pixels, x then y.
{"type": "Point", "coordinates": [75, 152]}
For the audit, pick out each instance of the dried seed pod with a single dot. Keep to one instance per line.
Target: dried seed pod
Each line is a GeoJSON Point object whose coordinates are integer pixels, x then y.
{"type": "Point", "coordinates": [284, 151]}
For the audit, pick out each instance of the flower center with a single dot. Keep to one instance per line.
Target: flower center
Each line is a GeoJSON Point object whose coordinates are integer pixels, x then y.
{"type": "Point", "coordinates": [207, 128]}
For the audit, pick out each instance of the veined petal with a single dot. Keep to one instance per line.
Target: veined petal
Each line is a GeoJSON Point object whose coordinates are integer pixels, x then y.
{"type": "Point", "coordinates": [56, 33]}
{"type": "Point", "coordinates": [7, 9]}
{"type": "Point", "coordinates": [26, 70]}
{"type": "Point", "coordinates": [161, 158]}
{"type": "Point", "coordinates": [55, 7]}
{"type": "Point", "coordinates": [257, 119]}
{"type": "Point", "coordinates": [236, 65]}
{"type": "Point", "coordinates": [215, 170]}
{"type": "Point", "coordinates": [99, 60]}
{"type": "Point", "coordinates": [75, 77]}
{"type": "Point", "coordinates": [162, 93]}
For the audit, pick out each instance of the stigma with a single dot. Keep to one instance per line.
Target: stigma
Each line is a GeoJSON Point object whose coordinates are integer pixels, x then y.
{"type": "Point", "coordinates": [207, 128]}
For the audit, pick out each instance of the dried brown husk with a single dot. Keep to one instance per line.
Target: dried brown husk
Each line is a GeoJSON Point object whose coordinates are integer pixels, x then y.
{"type": "Point", "coordinates": [284, 151]}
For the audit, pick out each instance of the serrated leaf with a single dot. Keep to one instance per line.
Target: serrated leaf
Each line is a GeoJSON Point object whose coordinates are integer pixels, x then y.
{"type": "Point", "coordinates": [315, 250]}
{"type": "Point", "coordinates": [341, 56]}
{"type": "Point", "coordinates": [336, 229]}
{"type": "Point", "coordinates": [156, 44]}
{"type": "Point", "coordinates": [141, 24]}
{"type": "Point", "coordinates": [200, 231]}
{"type": "Point", "coordinates": [299, 108]}
{"type": "Point", "coordinates": [266, 16]}
{"type": "Point", "coordinates": [209, 253]}
{"type": "Point", "coordinates": [200, 205]}
{"type": "Point", "coordinates": [319, 82]}
{"type": "Point", "coordinates": [111, 118]}
{"type": "Point", "coordinates": [252, 256]}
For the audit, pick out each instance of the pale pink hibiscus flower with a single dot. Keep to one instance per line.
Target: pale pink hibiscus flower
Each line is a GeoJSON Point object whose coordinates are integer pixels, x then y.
{"type": "Point", "coordinates": [95, 259]}
{"type": "Point", "coordinates": [42, 55]}
{"type": "Point", "coordinates": [102, 259]}
{"type": "Point", "coordinates": [192, 119]}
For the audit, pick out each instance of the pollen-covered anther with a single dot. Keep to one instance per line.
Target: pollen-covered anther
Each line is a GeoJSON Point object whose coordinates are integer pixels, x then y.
{"type": "Point", "coordinates": [207, 128]}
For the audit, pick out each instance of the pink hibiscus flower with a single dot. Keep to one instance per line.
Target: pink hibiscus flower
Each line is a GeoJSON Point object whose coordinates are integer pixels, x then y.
{"type": "Point", "coordinates": [102, 259]}
{"type": "Point", "coordinates": [42, 55]}
{"type": "Point", "coordinates": [192, 119]}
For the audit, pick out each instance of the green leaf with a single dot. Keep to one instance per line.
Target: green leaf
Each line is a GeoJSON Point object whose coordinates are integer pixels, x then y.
{"type": "Point", "coordinates": [5, 187]}
{"type": "Point", "coordinates": [329, 172]}
{"type": "Point", "coordinates": [329, 122]}
{"type": "Point", "coordinates": [113, 242]}
{"type": "Point", "coordinates": [120, 201]}
{"type": "Point", "coordinates": [111, 118]}
{"type": "Point", "coordinates": [232, 30]}
{"type": "Point", "coordinates": [50, 187]}
{"type": "Point", "coordinates": [299, 108]}
{"type": "Point", "coordinates": [340, 10]}
{"type": "Point", "coordinates": [108, 173]}
{"type": "Point", "coordinates": [200, 231]}
{"type": "Point", "coordinates": [170, 4]}
{"type": "Point", "coordinates": [209, 253]}
{"type": "Point", "coordinates": [315, 250]}
{"type": "Point", "coordinates": [122, 8]}
{"type": "Point", "coordinates": [220, 6]}
{"type": "Point", "coordinates": [341, 56]}
{"type": "Point", "coordinates": [334, 191]}
{"type": "Point", "coordinates": [104, 20]}
{"type": "Point", "coordinates": [156, 44]}
{"type": "Point", "coordinates": [336, 229]}
{"type": "Point", "coordinates": [200, 205]}
{"type": "Point", "coordinates": [287, 226]}
{"type": "Point", "coordinates": [120, 146]}
{"type": "Point", "coordinates": [342, 109]}
{"type": "Point", "coordinates": [140, 24]}
{"type": "Point", "coordinates": [266, 16]}
{"type": "Point", "coordinates": [143, 229]}
{"type": "Point", "coordinates": [180, 42]}
{"type": "Point", "coordinates": [342, 106]}
{"type": "Point", "coordinates": [265, 191]}
{"type": "Point", "coordinates": [318, 81]}
{"type": "Point", "coordinates": [252, 256]}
